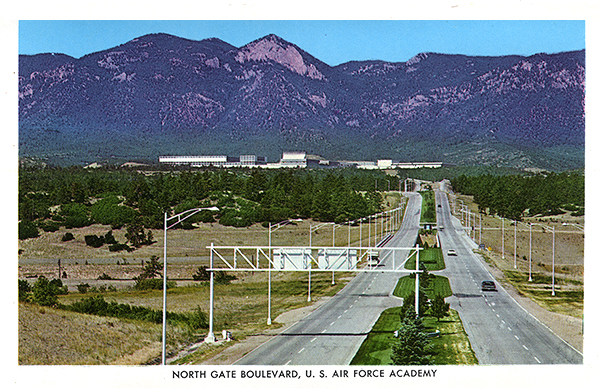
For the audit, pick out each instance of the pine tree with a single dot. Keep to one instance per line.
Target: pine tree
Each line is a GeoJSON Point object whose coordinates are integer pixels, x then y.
{"type": "Point", "coordinates": [439, 308]}
{"type": "Point", "coordinates": [412, 346]}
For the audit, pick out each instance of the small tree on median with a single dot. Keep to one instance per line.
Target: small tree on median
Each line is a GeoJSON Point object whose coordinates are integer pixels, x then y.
{"type": "Point", "coordinates": [412, 347]}
{"type": "Point", "coordinates": [439, 308]}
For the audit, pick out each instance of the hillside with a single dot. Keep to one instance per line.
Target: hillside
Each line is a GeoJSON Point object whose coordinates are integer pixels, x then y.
{"type": "Point", "coordinates": [160, 94]}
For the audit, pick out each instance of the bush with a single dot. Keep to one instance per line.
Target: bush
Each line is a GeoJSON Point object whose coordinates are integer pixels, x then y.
{"type": "Point", "coordinates": [152, 284]}
{"type": "Point", "coordinates": [60, 288]}
{"type": "Point", "coordinates": [196, 319]}
{"type": "Point", "coordinates": [83, 288]}
{"type": "Point", "coordinates": [94, 241]}
{"type": "Point", "coordinates": [24, 291]}
{"type": "Point", "coordinates": [109, 238]}
{"type": "Point", "coordinates": [44, 293]}
{"type": "Point", "coordinates": [27, 230]}
{"type": "Point", "coordinates": [68, 237]}
{"type": "Point", "coordinates": [49, 226]}
{"type": "Point", "coordinates": [222, 277]}
{"type": "Point", "coordinates": [201, 274]}
{"type": "Point", "coordinates": [76, 215]}
{"type": "Point", "coordinates": [96, 305]}
{"type": "Point", "coordinates": [104, 276]}
{"type": "Point", "coordinates": [119, 247]}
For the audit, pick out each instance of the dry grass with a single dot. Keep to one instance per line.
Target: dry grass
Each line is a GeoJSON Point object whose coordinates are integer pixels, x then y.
{"type": "Point", "coordinates": [54, 337]}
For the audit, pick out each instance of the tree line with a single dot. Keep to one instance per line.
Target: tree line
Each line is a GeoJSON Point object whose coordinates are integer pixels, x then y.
{"type": "Point", "coordinates": [516, 196]}
{"type": "Point", "coordinates": [73, 197]}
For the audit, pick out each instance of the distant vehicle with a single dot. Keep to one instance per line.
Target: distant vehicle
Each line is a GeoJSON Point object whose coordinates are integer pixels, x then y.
{"type": "Point", "coordinates": [373, 259]}
{"type": "Point", "coordinates": [451, 252]}
{"type": "Point", "coordinates": [439, 205]}
{"type": "Point", "coordinates": [441, 227]}
{"type": "Point", "coordinates": [488, 285]}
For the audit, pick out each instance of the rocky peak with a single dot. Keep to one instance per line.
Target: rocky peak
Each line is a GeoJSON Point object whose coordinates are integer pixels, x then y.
{"type": "Point", "coordinates": [273, 48]}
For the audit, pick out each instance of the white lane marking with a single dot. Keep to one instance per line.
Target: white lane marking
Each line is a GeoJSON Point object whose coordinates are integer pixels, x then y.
{"type": "Point", "coordinates": [517, 338]}
{"type": "Point", "coordinates": [525, 347]}
{"type": "Point", "coordinates": [345, 311]}
{"type": "Point", "coordinates": [539, 362]}
{"type": "Point", "coordinates": [288, 362]}
{"type": "Point", "coordinates": [509, 328]}
{"type": "Point", "coordinates": [301, 350]}
{"type": "Point", "coordinates": [313, 340]}
{"type": "Point", "coordinates": [339, 317]}
{"type": "Point", "coordinates": [331, 324]}
{"type": "Point", "coordinates": [324, 331]}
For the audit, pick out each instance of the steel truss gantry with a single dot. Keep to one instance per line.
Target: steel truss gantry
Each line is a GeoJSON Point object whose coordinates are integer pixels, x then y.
{"type": "Point", "coordinates": [305, 259]}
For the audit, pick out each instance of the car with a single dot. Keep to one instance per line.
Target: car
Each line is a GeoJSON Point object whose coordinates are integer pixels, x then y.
{"type": "Point", "coordinates": [373, 259]}
{"type": "Point", "coordinates": [451, 252]}
{"type": "Point", "coordinates": [488, 285]}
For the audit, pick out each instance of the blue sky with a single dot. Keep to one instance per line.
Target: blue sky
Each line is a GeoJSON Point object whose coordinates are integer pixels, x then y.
{"type": "Point", "coordinates": [333, 42]}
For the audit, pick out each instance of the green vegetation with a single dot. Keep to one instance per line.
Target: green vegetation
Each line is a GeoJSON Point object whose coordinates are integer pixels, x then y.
{"type": "Point", "coordinates": [438, 285]}
{"type": "Point", "coordinates": [451, 347]}
{"type": "Point", "coordinates": [431, 258]}
{"type": "Point", "coordinates": [568, 292]}
{"type": "Point", "coordinates": [96, 305]}
{"type": "Point", "coordinates": [43, 292]}
{"type": "Point", "coordinates": [515, 196]}
{"type": "Point", "coordinates": [413, 346]}
{"type": "Point", "coordinates": [428, 207]}
{"type": "Point", "coordinates": [75, 197]}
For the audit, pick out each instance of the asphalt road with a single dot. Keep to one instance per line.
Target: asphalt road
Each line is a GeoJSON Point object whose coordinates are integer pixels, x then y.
{"type": "Point", "coordinates": [332, 334]}
{"type": "Point", "coordinates": [500, 330]}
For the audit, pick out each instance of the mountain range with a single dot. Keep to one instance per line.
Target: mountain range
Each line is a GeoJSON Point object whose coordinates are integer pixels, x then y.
{"type": "Point", "coordinates": [164, 95]}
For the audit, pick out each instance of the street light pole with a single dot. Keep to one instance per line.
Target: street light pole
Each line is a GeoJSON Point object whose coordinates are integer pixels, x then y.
{"type": "Point", "coordinates": [515, 244]}
{"type": "Point", "coordinates": [269, 297]}
{"type": "Point", "coordinates": [417, 282]}
{"type": "Point", "coordinates": [164, 315]}
{"type": "Point", "coordinates": [180, 217]}
{"type": "Point", "coordinates": [480, 228]}
{"type": "Point", "coordinates": [502, 218]}
{"type": "Point", "coordinates": [553, 250]}
{"type": "Point", "coordinates": [530, 279]}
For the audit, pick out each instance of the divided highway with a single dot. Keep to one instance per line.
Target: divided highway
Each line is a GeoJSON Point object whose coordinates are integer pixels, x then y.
{"type": "Point", "coordinates": [500, 330]}
{"type": "Point", "coordinates": [332, 334]}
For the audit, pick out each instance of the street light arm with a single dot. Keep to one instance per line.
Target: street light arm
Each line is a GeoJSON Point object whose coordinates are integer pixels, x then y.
{"type": "Point", "coordinates": [278, 225]}
{"type": "Point", "coordinates": [187, 214]}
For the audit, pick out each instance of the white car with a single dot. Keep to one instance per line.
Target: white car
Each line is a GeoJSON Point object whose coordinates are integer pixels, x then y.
{"type": "Point", "coordinates": [451, 252]}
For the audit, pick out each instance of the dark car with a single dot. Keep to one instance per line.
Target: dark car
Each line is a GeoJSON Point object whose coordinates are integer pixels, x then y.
{"type": "Point", "coordinates": [488, 285]}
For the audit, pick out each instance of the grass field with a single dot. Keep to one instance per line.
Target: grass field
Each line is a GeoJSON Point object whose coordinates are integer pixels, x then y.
{"type": "Point", "coordinates": [439, 285]}
{"type": "Point", "coordinates": [452, 347]}
{"type": "Point", "coordinates": [240, 307]}
{"type": "Point", "coordinates": [55, 337]}
{"type": "Point", "coordinates": [432, 258]}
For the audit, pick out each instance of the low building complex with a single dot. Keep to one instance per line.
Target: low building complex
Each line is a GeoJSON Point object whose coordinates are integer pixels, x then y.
{"type": "Point", "coordinates": [288, 160]}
